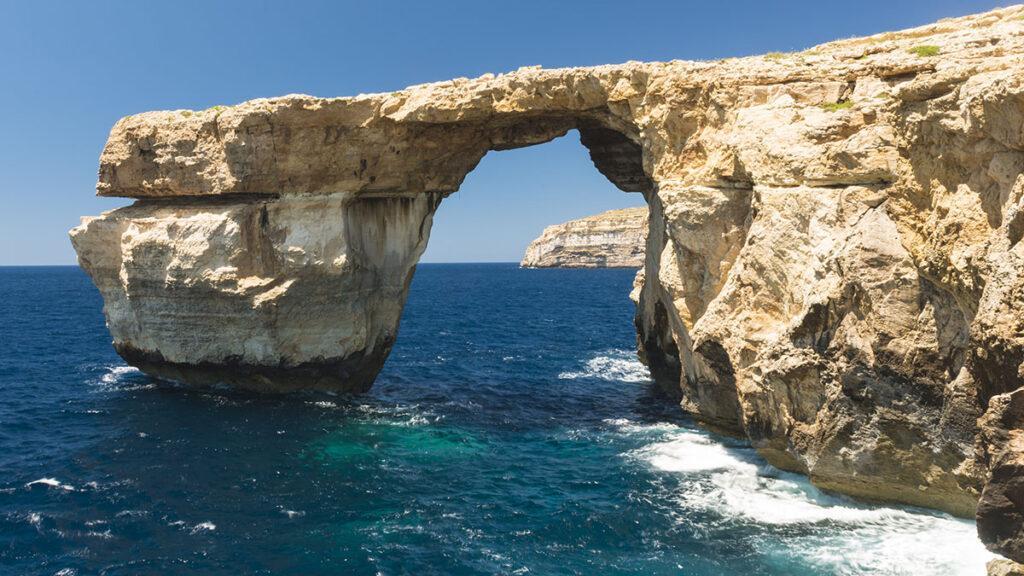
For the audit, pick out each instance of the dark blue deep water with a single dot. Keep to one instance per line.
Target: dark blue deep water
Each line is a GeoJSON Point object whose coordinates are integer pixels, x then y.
{"type": "Point", "coordinates": [512, 431]}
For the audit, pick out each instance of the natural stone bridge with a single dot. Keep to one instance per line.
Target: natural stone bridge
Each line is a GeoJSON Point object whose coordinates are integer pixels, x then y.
{"type": "Point", "coordinates": [833, 263]}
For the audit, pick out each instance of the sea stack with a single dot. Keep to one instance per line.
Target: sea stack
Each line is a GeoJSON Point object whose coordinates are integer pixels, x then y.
{"type": "Point", "coordinates": [612, 239]}
{"type": "Point", "coordinates": [833, 265]}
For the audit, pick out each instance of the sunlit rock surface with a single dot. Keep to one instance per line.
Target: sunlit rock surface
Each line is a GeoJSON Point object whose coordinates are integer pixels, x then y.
{"type": "Point", "coordinates": [833, 265]}
{"type": "Point", "coordinates": [612, 239]}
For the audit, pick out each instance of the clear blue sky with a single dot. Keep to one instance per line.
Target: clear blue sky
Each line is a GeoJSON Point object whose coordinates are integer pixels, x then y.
{"type": "Point", "coordinates": [70, 69]}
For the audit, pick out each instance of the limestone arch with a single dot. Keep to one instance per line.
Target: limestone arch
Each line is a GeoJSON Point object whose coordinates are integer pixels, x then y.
{"type": "Point", "coordinates": [321, 210]}
{"type": "Point", "coordinates": [246, 231]}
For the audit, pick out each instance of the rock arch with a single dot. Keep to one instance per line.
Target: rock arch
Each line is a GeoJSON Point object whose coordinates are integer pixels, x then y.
{"type": "Point", "coordinates": [833, 265]}
{"type": "Point", "coordinates": [272, 244]}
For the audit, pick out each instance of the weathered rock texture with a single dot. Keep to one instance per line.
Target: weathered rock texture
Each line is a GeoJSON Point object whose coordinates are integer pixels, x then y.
{"type": "Point", "coordinates": [1003, 567]}
{"type": "Point", "coordinates": [833, 266]}
{"type": "Point", "coordinates": [612, 239]}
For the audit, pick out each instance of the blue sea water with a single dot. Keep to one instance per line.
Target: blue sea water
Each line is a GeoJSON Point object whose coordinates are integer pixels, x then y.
{"type": "Point", "coordinates": [512, 431]}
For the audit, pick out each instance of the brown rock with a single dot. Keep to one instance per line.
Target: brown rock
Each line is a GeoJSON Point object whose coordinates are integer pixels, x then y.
{"type": "Point", "coordinates": [1001, 443]}
{"type": "Point", "coordinates": [1003, 567]}
{"type": "Point", "coordinates": [833, 265]}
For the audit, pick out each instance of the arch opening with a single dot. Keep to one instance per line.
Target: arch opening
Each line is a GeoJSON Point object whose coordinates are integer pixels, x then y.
{"type": "Point", "coordinates": [514, 192]}
{"type": "Point", "coordinates": [556, 181]}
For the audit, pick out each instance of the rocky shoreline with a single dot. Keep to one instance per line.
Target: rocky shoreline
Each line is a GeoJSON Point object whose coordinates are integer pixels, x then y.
{"type": "Point", "coordinates": [833, 266]}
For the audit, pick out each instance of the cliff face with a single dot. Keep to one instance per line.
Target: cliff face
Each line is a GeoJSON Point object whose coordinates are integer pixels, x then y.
{"type": "Point", "coordinates": [612, 239]}
{"type": "Point", "coordinates": [833, 265]}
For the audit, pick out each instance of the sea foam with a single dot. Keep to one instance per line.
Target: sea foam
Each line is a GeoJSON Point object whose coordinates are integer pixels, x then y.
{"type": "Point", "coordinates": [123, 379]}
{"type": "Point", "coordinates": [612, 365]}
{"type": "Point", "coordinates": [51, 483]}
{"type": "Point", "coordinates": [115, 373]}
{"type": "Point", "coordinates": [736, 486]}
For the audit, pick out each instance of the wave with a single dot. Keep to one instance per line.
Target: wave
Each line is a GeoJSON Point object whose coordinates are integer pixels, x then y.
{"type": "Point", "coordinates": [203, 527]}
{"type": "Point", "coordinates": [612, 365]}
{"type": "Point", "coordinates": [808, 525]}
{"type": "Point", "coordinates": [399, 415]}
{"type": "Point", "coordinates": [50, 483]}
{"type": "Point", "coordinates": [123, 379]}
{"type": "Point", "coordinates": [291, 514]}
{"type": "Point", "coordinates": [115, 373]}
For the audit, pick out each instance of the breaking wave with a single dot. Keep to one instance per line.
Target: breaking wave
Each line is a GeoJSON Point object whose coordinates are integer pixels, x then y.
{"type": "Point", "coordinates": [50, 483]}
{"type": "Point", "coordinates": [203, 527]}
{"type": "Point", "coordinates": [737, 490]}
{"type": "Point", "coordinates": [612, 365]}
{"type": "Point", "coordinates": [115, 373]}
{"type": "Point", "coordinates": [123, 379]}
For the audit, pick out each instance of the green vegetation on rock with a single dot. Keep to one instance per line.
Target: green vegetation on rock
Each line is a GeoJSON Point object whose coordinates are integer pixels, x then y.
{"type": "Point", "coordinates": [837, 106]}
{"type": "Point", "coordinates": [924, 51]}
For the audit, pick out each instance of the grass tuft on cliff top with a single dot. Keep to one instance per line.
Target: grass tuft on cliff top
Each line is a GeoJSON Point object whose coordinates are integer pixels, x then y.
{"type": "Point", "coordinates": [925, 51]}
{"type": "Point", "coordinates": [837, 106]}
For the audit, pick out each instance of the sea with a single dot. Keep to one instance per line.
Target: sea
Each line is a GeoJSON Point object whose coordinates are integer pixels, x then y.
{"type": "Point", "coordinates": [512, 431]}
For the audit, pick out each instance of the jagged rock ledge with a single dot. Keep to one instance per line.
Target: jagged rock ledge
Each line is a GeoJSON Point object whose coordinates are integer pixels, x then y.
{"type": "Point", "coordinates": [833, 265]}
{"type": "Point", "coordinates": [612, 239]}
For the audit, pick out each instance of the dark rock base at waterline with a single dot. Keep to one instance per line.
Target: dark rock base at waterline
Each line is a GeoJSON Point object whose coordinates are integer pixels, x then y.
{"type": "Point", "coordinates": [353, 374]}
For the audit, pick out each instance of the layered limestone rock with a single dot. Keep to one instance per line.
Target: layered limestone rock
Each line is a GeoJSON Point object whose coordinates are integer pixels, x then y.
{"type": "Point", "coordinates": [833, 266]}
{"type": "Point", "coordinates": [1003, 567]}
{"type": "Point", "coordinates": [612, 239]}
{"type": "Point", "coordinates": [265, 293]}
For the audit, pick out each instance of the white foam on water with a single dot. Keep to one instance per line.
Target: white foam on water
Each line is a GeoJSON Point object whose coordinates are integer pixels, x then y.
{"type": "Point", "coordinates": [115, 373]}
{"type": "Point", "coordinates": [612, 365]}
{"type": "Point", "coordinates": [400, 415]}
{"type": "Point", "coordinates": [114, 380]}
{"type": "Point", "coordinates": [417, 420]}
{"type": "Point", "coordinates": [51, 483]}
{"type": "Point", "coordinates": [842, 535]}
{"type": "Point", "coordinates": [291, 514]}
{"type": "Point", "coordinates": [692, 452]}
{"type": "Point", "coordinates": [203, 527]}
{"type": "Point", "coordinates": [132, 514]}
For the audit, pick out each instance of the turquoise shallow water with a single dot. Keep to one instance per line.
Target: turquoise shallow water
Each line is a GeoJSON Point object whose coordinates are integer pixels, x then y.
{"type": "Point", "coordinates": [511, 432]}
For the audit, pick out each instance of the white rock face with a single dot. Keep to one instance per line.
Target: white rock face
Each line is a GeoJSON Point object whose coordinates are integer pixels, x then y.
{"type": "Point", "coordinates": [263, 293]}
{"type": "Point", "coordinates": [832, 265]}
{"type": "Point", "coordinates": [612, 239]}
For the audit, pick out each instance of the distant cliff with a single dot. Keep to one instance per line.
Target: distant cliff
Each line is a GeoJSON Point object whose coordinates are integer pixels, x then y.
{"type": "Point", "coordinates": [612, 239]}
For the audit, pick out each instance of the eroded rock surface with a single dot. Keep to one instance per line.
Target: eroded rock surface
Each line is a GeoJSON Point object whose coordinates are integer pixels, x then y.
{"type": "Point", "coordinates": [1001, 509]}
{"type": "Point", "coordinates": [833, 266]}
{"type": "Point", "coordinates": [612, 239]}
{"type": "Point", "coordinates": [1003, 567]}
